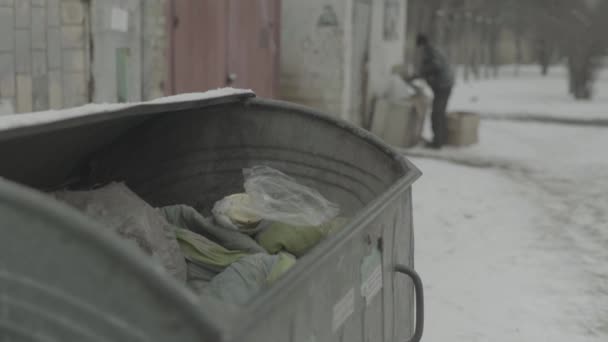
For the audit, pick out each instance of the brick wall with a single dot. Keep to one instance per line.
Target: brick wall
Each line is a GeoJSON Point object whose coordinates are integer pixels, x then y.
{"type": "Point", "coordinates": [45, 49]}
{"type": "Point", "coordinates": [43, 54]}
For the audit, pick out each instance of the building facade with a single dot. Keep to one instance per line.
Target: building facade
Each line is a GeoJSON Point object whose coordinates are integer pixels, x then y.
{"type": "Point", "coordinates": [62, 53]}
{"type": "Point", "coordinates": [337, 55]}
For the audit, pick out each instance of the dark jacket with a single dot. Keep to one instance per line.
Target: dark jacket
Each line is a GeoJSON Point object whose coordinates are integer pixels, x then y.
{"type": "Point", "coordinates": [434, 68]}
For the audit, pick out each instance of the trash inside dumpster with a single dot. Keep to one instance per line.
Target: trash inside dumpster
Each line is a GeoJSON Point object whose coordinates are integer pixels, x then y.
{"type": "Point", "coordinates": [276, 216]}
{"type": "Point", "coordinates": [213, 218]}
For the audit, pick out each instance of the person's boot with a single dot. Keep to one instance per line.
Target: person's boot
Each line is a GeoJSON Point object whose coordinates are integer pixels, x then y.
{"type": "Point", "coordinates": [433, 144]}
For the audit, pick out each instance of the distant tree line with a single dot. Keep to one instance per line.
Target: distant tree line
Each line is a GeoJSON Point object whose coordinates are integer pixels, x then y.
{"type": "Point", "coordinates": [472, 31]}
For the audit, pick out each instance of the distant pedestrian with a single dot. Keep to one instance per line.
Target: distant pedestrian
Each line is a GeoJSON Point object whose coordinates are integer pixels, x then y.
{"type": "Point", "coordinates": [436, 71]}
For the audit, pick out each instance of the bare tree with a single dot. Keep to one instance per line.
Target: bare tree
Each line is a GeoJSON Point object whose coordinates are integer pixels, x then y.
{"type": "Point", "coordinates": [470, 31]}
{"type": "Point", "coordinates": [578, 29]}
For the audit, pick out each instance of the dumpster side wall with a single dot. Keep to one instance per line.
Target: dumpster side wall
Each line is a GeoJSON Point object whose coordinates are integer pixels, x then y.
{"type": "Point", "coordinates": [203, 157]}
{"type": "Point", "coordinates": [97, 284]}
{"type": "Point", "coordinates": [352, 293]}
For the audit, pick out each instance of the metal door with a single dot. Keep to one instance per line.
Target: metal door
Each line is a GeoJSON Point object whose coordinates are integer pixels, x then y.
{"type": "Point", "coordinates": [253, 45]}
{"type": "Point", "coordinates": [116, 35]}
{"type": "Point", "coordinates": [197, 49]}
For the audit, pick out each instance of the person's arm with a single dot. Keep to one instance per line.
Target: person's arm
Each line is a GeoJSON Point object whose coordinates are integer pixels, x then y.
{"type": "Point", "coordinates": [401, 71]}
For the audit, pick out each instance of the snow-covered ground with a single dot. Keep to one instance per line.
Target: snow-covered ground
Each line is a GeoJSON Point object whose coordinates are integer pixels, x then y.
{"type": "Point", "coordinates": [512, 234]}
{"type": "Point", "coordinates": [530, 94]}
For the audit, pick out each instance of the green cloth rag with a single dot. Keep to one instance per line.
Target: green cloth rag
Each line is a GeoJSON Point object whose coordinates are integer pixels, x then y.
{"type": "Point", "coordinates": [198, 249]}
{"type": "Point", "coordinates": [185, 216]}
{"type": "Point", "coordinates": [283, 264]}
{"type": "Point", "coordinates": [296, 240]}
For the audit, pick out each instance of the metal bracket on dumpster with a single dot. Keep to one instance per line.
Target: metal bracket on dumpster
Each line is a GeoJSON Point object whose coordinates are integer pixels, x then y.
{"type": "Point", "coordinates": [419, 294]}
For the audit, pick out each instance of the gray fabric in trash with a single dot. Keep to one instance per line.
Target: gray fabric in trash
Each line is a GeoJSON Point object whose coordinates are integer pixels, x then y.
{"type": "Point", "coordinates": [242, 280]}
{"type": "Point", "coordinates": [187, 217]}
{"type": "Point", "coordinates": [199, 276]}
{"type": "Point", "coordinates": [245, 278]}
{"type": "Point", "coordinates": [119, 209]}
{"type": "Point", "coordinates": [205, 258]}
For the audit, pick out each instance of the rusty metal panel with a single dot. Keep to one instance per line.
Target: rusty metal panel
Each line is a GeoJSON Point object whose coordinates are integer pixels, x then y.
{"type": "Point", "coordinates": [219, 43]}
{"type": "Point", "coordinates": [253, 45]}
{"type": "Point", "coordinates": [197, 50]}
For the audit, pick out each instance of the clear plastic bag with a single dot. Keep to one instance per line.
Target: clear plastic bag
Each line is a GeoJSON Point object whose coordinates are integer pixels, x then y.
{"type": "Point", "coordinates": [278, 197]}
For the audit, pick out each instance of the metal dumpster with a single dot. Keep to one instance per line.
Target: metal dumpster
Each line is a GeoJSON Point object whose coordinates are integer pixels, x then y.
{"type": "Point", "coordinates": [64, 278]}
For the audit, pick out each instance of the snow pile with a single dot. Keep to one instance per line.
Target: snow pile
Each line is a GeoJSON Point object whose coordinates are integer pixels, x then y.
{"type": "Point", "coordinates": [221, 92]}
{"type": "Point", "coordinates": [29, 119]}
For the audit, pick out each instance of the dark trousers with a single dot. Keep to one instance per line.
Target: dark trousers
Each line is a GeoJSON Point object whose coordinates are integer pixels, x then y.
{"type": "Point", "coordinates": [438, 116]}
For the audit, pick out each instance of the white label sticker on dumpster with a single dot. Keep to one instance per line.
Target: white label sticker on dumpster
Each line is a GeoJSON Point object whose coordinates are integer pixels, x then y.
{"type": "Point", "coordinates": [371, 275]}
{"type": "Point", "coordinates": [343, 309]}
{"type": "Point", "coordinates": [119, 20]}
{"type": "Point", "coordinates": [372, 285]}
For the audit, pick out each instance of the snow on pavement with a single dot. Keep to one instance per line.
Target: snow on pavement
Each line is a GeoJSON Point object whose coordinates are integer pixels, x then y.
{"type": "Point", "coordinates": [530, 94]}
{"type": "Point", "coordinates": [530, 145]}
{"type": "Point", "coordinates": [515, 248]}
{"type": "Point", "coordinates": [489, 272]}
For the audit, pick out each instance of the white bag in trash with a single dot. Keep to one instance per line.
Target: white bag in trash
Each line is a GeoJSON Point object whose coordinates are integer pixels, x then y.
{"type": "Point", "coordinates": [227, 212]}
{"type": "Point", "coordinates": [274, 196]}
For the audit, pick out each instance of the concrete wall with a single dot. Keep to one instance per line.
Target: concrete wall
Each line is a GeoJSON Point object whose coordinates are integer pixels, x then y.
{"type": "Point", "coordinates": [117, 45]}
{"type": "Point", "coordinates": [135, 28]}
{"type": "Point", "coordinates": [327, 47]}
{"type": "Point", "coordinates": [62, 53]}
{"type": "Point", "coordinates": [360, 39]}
{"type": "Point", "coordinates": [43, 54]}
{"type": "Point", "coordinates": [387, 43]}
{"type": "Point", "coordinates": [313, 53]}
{"type": "Point", "coordinates": [154, 47]}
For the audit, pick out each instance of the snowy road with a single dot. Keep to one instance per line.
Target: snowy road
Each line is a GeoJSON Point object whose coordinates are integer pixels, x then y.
{"type": "Point", "coordinates": [515, 248]}
{"type": "Point", "coordinates": [530, 95]}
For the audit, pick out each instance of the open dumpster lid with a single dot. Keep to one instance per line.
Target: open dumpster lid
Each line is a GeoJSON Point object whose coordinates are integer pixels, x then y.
{"type": "Point", "coordinates": [178, 102]}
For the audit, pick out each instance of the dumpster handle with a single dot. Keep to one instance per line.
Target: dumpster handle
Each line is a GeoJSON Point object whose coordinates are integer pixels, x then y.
{"type": "Point", "coordinates": [419, 294]}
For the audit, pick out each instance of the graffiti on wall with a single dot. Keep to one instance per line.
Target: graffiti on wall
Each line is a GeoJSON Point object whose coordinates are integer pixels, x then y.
{"type": "Point", "coordinates": [328, 18]}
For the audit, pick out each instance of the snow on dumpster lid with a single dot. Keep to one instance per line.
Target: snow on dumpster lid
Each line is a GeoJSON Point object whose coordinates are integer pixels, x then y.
{"type": "Point", "coordinates": [36, 118]}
